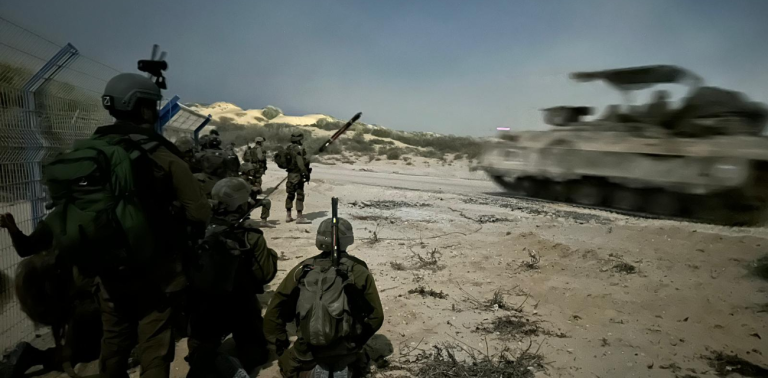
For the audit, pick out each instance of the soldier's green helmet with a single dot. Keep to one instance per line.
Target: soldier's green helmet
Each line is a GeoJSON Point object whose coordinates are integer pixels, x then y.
{"type": "Point", "coordinates": [185, 144]}
{"type": "Point", "coordinates": [231, 192]}
{"type": "Point", "coordinates": [259, 140]}
{"type": "Point", "coordinates": [204, 140]}
{"type": "Point", "coordinates": [125, 90]}
{"type": "Point", "coordinates": [245, 167]}
{"type": "Point", "coordinates": [324, 240]}
{"type": "Point", "coordinates": [297, 137]}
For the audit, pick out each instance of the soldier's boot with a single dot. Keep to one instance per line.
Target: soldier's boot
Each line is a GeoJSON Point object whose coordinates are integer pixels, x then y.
{"type": "Point", "coordinates": [300, 218]}
{"type": "Point", "coordinates": [288, 217]}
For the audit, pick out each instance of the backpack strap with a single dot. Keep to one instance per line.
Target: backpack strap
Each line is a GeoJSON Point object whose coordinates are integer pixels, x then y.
{"type": "Point", "coordinates": [124, 128]}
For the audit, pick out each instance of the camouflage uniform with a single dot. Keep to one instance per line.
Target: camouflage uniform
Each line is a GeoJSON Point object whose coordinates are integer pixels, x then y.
{"type": "Point", "coordinates": [294, 186]}
{"type": "Point", "coordinates": [248, 173]}
{"type": "Point", "coordinates": [137, 303]}
{"type": "Point", "coordinates": [217, 312]}
{"type": "Point", "coordinates": [214, 316]}
{"type": "Point", "coordinates": [282, 310]}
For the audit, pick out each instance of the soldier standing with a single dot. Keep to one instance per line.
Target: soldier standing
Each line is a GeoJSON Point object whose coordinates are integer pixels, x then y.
{"type": "Point", "coordinates": [298, 174]}
{"type": "Point", "coordinates": [137, 299]}
{"type": "Point", "coordinates": [258, 158]}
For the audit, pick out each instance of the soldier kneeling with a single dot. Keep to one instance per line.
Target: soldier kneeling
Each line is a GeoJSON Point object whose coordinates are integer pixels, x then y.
{"type": "Point", "coordinates": [230, 267]}
{"type": "Point", "coordinates": [333, 321]}
{"type": "Point", "coordinates": [53, 293]}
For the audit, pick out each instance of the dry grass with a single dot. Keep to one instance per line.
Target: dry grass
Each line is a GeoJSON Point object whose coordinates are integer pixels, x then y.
{"type": "Point", "coordinates": [443, 362]}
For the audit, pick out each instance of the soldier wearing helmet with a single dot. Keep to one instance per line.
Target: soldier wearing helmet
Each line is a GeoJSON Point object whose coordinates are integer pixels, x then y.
{"type": "Point", "coordinates": [235, 264]}
{"type": "Point", "coordinates": [186, 146]}
{"type": "Point", "coordinates": [257, 156]}
{"type": "Point", "coordinates": [298, 174]}
{"type": "Point", "coordinates": [139, 301]}
{"type": "Point", "coordinates": [286, 306]}
{"type": "Point", "coordinates": [248, 173]}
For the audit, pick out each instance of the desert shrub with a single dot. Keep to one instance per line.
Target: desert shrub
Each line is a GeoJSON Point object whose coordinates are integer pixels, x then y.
{"type": "Point", "coordinates": [429, 154]}
{"type": "Point", "coordinates": [393, 154]}
{"type": "Point", "coordinates": [328, 125]}
{"type": "Point", "coordinates": [382, 133]}
{"type": "Point", "coordinates": [241, 114]}
{"type": "Point", "coordinates": [385, 142]}
{"type": "Point", "coordinates": [271, 112]}
{"type": "Point", "coordinates": [260, 119]}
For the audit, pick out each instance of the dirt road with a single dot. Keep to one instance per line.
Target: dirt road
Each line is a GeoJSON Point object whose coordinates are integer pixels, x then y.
{"type": "Point", "coordinates": [611, 296]}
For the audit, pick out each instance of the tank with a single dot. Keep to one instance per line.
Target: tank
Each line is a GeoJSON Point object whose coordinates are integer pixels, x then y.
{"type": "Point", "coordinates": [705, 160]}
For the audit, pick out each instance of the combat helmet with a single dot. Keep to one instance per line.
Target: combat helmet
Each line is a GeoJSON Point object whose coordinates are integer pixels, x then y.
{"type": "Point", "coordinates": [260, 140]}
{"type": "Point", "coordinates": [125, 90]}
{"type": "Point", "coordinates": [246, 167]}
{"type": "Point", "coordinates": [185, 144]}
{"type": "Point", "coordinates": [231, 193]}
{"type": "Point", "coordinates": [297, 137]}
{"type": "Point", "coordinates": [204, 140]}
{"type": "Point", "coordinates": [215, 141]}
{"type": "Point", "coordinates": [324, 240]}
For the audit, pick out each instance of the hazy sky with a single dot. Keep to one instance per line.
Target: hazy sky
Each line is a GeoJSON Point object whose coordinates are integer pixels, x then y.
{"type": "Point", "coordinates": [462, 67]}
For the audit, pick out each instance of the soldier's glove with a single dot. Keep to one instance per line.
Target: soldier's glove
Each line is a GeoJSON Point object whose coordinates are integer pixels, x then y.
{"type": "Point", "coordinates": [305, 177]}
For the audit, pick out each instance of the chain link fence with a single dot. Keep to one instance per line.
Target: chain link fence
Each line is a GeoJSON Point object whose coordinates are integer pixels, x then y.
{"type": "Point", "coordinates": [49, 96]}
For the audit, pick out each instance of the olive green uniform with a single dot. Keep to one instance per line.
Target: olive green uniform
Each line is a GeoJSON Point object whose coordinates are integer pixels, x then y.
{"type": "Point", "coordinates": [282, 310]}
{"type": "Point", "coordinates": [294, 186]}
{"type": "Point", "coordinates": [137, 304]}
{"type": "Point", "coordinates": [264, 203]}
{"type": "Point", "coordinates": [214, 316]}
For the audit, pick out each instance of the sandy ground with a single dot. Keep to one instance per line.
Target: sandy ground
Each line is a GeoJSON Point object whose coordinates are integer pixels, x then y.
{"type": "Point", "coordinates": [691, 292]}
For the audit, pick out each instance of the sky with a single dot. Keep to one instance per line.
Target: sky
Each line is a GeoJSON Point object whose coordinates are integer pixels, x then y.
{"type": "Point", "coordinates": [454, 67]}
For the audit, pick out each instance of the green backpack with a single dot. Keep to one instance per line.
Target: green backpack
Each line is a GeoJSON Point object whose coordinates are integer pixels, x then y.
{"type": "Point", "coordinates": [323, 310]}
{"type": "Point", "coordinates": [222, 266]}
{"type": "Point", "coordinates": [99, 191]}
{"type": "Point", "coordinates": [283, 158]}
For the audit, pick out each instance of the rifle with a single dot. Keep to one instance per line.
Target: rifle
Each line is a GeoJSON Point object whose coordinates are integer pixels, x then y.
{"type": "Point", "coordinates": [335, 229]}
{"type": "Point", "coordinates": [325, 145]}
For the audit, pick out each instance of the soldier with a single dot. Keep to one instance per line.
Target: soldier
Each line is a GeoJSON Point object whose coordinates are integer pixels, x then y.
{"type": "Point", "coordinates": [213, 170]}
{"type": "Point", "coordinates": [186, 146]}
{"type": "Point", "coordinates": [248, 173]}
{"type": "Point", "coordinates": [56, 295]}
{"type": "Point", "coordinates": [136, 300]}
{"type": "Point", "coordinates": [258, 157]}
{"type": "Point", "coordinates": [298, 174]}
{"type": "Point", "coordinates": [234, 266]}
{"type": "Point", "coordinates": [295, 300]}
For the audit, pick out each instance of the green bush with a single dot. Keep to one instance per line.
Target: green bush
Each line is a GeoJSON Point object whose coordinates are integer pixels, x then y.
{"type": "Point", "coordinates": [377, 141]}
{"type": "Point", "coordinates": [429, 154]}
{"type": "Point", "coordinates": [271, 112]}
{"type": "Point", "coordinates": [328, 125]}
{"type": "Point", "coordinates": [393, 154]}
{"type": "Point", "coordinates": [382, 133]}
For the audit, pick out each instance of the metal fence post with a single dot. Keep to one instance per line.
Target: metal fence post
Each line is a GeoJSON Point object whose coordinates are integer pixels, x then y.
{"type": "Point", "coordinates": [202, 125]}
{"type": "Point", "coordinates": [36, 149]}
{"type": "Point", "coordinates": [166, 113]}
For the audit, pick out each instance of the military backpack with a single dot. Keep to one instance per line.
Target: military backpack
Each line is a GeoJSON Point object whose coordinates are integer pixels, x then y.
{"type": "Point", "coordinates": [105, 194]}
{"type": "Point", "coordinates": [323, 310]}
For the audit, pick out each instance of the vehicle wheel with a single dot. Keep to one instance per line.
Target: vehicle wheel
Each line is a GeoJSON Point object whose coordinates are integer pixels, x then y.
{"type": "Point", "coordinates": [664, 203]}
{"type": "Point", "coordinates": [626, 199]}
{"type": "Point", "coordinates": [504, 183]}
{"type": "Point", "coordinates": [531, 187]}
{"type": "Point", "coordinates": [555, 191]}
{"type": "Point", "coordinates": [587, 193]}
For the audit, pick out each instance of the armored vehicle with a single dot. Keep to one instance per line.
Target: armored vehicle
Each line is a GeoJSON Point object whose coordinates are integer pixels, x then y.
{"type": "Point", "coordinates": [705, 159]}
